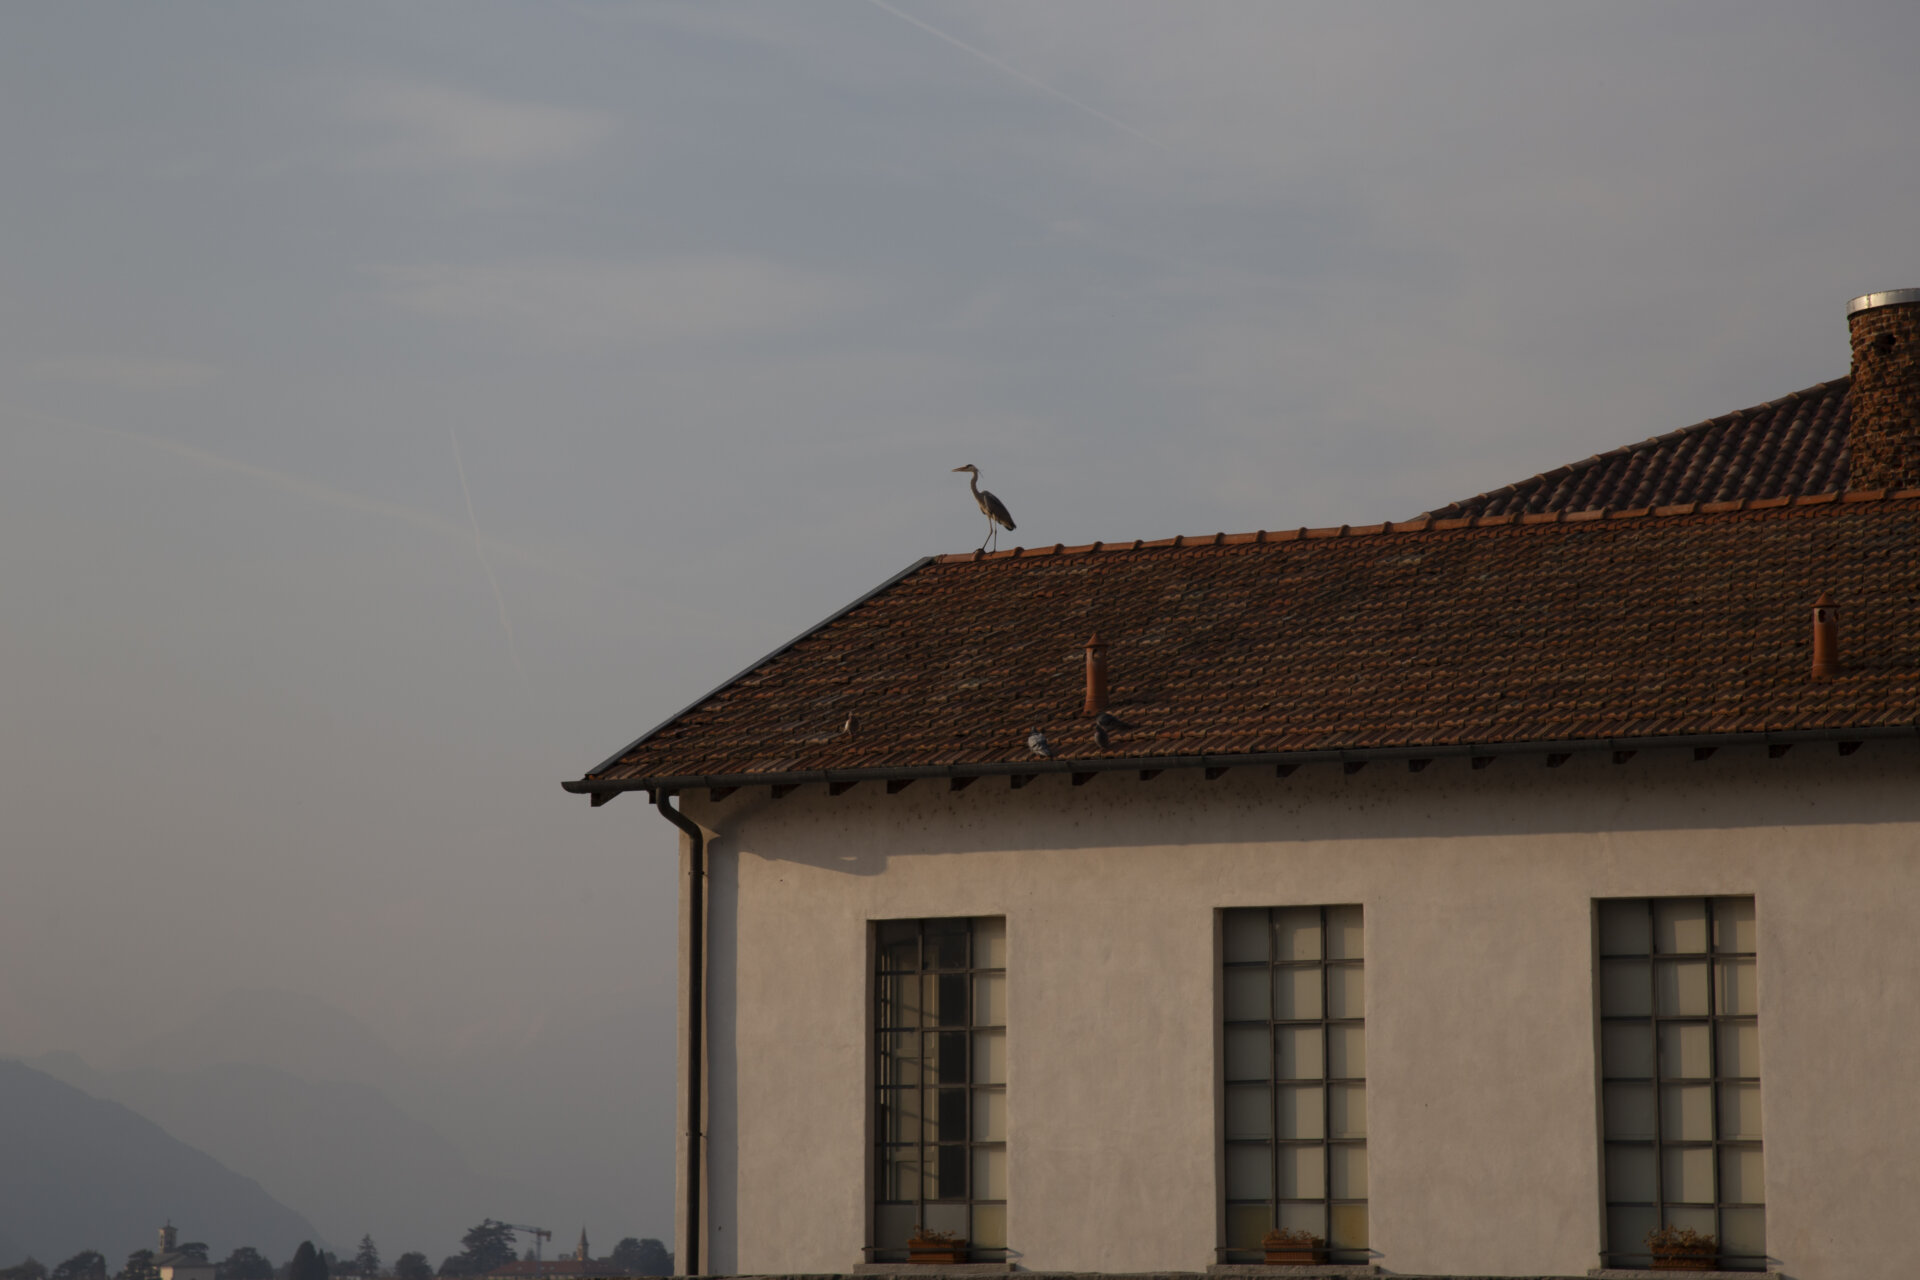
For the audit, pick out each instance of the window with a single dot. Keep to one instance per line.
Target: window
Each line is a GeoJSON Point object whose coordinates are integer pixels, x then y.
{"type": "Point", "coordinates": [940, 1122]}
{"type": "Point", "coordinates": [1680, 1072]}
{"type": "Point", "coordinates": [1294, 1054]}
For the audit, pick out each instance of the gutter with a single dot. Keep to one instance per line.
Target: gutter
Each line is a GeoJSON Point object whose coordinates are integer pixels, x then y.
{"type": "Point", "coordinates": [697, 918]}
{"type": "Point", "coordinates": [696, 1020]}
{"type": "Point", "coordinates": [605, 789]}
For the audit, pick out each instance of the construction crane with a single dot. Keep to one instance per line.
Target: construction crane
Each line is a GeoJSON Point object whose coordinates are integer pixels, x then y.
{"type": "Point", "coordinates": [538, 1234]}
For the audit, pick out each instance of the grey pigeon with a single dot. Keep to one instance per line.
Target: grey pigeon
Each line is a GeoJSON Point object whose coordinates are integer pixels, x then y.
{"type": "Point", "coordinates": [1038, 744]}
{"type": "Point", "coordinates": [1104, 724]}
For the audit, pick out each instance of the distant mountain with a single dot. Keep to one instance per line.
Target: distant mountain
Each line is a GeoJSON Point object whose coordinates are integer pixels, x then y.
{"type": "Point", "coordinates": [562, 1115]}
{"type": "Point", "coordinates": [271, 1028]}
{"type": "Point", "coordinates": [80, 1172]}
{"type": "Point", "coordinates": [344, 1152]}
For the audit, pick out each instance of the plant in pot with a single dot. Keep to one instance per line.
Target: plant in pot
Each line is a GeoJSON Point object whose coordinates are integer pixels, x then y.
{"type": "Point", "coordinates": [936, 1248]}
{"type": "Point", "coordinates": [1683, 1249]}
{"type": "Point", "coordinates": [1293, 1246]}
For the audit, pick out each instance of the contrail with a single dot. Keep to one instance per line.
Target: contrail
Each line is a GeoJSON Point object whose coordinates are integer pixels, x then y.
{"type": "Point", "coordinates": [479, 549]}
{"type": "Point", "coordinates": [1021, 76]}
{"type": "Point", "coordinates": [424, 520]}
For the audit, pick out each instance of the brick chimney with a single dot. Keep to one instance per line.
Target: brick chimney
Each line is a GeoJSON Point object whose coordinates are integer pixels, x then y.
{"type": "Point", "coordinates": [1884, 436]}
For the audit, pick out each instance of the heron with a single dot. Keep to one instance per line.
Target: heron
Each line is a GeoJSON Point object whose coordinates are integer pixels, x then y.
{"type": "Point", "coordinates": [1038, 744]}
{"type": "Point", "coordinates": [991, 507]}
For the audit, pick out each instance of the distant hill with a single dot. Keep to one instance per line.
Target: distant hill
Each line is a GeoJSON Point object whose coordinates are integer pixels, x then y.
{"type": "Point", "coordinates": [344, 1152]}
{"type": "Point", "coordinates": [566, 1115]}
{"type": "Point", "coordinates": [80, 1172]}
{"type": "Point", "coordinates": [273, 1028]}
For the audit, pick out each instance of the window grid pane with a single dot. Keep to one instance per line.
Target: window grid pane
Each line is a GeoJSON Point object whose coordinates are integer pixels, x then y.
{"type": "Point", "coordinates": [940, 1157]}
{"type": "Point", "coordinates": [1294, 1054]}
{"type": "Point", "coordinates": [1679, 1063]}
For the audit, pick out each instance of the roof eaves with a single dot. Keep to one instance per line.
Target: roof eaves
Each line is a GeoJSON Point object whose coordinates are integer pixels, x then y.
{"type": "Point", "coordinates": [1350, 755]}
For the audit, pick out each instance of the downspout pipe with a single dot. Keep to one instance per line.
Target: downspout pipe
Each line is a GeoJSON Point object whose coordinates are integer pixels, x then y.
{"type": "Point", "coordinates": [696, 1017]}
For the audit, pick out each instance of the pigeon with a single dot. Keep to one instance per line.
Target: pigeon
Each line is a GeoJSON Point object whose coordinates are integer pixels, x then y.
{"type": "Point", "coordinates": [1038, 744]}
{"type": "Point", "coordinates": [1104, 724]}
{"type": "Point", "coordinates": [852, 726]}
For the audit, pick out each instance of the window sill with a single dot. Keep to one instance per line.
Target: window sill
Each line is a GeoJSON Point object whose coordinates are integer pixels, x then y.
{"type": "Point", "coordinates": [1272, 1270]}
{"type": "Point", "coordinates": [933, 1269]}
{"type": "Point", "coordinates": [1643, 1273]}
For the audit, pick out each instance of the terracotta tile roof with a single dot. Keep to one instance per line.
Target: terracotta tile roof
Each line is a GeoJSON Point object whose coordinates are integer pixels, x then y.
{"type": "Point", "coordinates": [1480, 630]}
{"type": "Point", "coordinates": [1795, 446]}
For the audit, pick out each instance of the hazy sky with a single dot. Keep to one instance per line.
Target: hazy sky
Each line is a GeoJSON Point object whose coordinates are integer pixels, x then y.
{"type": "Point", "coordinates": [705, 300]}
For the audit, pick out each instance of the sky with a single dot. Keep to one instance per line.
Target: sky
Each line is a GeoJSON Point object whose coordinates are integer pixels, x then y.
{"type": "Point", "coordinates": [403, 406]}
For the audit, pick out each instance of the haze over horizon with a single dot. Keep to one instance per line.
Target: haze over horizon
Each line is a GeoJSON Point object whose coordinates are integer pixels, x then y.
{"type": "Point", "coordinates": [406, 406]}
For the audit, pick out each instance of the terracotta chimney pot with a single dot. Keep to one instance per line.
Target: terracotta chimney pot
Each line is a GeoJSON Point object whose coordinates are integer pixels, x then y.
{"type": "Point", "coordinates": [1826, 638]}
{"type": "Point", "coordinates": [1096, 676]}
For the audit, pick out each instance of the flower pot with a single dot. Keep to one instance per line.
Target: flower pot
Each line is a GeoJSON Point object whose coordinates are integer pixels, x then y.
{"type": "Point", "coordinates": [1685, 1260]}
{"type": "Point", "coordinates": [1294, 1255]}
{"type": "Point", "coordinates": [934, 1254]}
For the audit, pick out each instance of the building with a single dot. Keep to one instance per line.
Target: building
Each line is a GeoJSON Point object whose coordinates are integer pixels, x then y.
{"type": "Point", "coordinates": [1479, 892]}
{"type": "Point", "coordinates": [173, 1264]}
{"type": "Point", "coordinates": [580, 1264]}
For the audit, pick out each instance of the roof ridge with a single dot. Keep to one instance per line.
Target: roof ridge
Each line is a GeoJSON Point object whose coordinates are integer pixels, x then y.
{"type": "Point", "coordinates": [1651, 442]}
{"type": "Point", "coordinates": [1437, 524]}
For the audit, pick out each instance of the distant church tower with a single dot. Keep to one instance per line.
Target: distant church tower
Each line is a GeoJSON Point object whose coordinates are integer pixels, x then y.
{"type": "Point", "coordinates": [169, 1237]}
{"type": "Point", "coordinates": [580, 1254]}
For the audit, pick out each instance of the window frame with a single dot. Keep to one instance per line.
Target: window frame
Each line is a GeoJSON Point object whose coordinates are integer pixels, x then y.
{"type": "Point", "coordinates": [1325, 1023]}
{"type": "Point", "coordinates": [926, 1067]}
{"type": "Point", "coordinates": [1635, 1254]}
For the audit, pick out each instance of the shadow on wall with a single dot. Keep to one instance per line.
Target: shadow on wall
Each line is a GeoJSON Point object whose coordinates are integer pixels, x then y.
{"type": "Point", "coordinates": [1735, 789]}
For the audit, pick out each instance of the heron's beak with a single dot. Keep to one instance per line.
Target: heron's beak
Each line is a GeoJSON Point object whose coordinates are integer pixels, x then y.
{"type": "Point", "coordinates": [960, 468]}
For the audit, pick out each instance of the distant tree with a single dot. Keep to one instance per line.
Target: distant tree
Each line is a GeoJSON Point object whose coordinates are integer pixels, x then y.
{"type": "Point", "coordinates": [413, 1266]}
{"type": "Point", "coordinates": [196, 1249]}
{"type": "Point", "coordinates": [30, 1269]}
{"type": "Point", "coordinates": [307, 1263]}
{"type": "Point", "coordinates": [244, 1263]}
{"type": "Point", "coordinates": [642, 1257]}
{"type": "Point", "coordinates": [139, 1266]}
{"type": "Point", "coordinates": [487, 1247]}
{"type": "Point", "coordinates": [84, 1265]}
{"type": "Point", "coordinates": [366, 1261]}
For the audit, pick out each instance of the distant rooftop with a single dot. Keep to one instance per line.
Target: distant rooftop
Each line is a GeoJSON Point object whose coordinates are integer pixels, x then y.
{"type": "Point", "coordinates": [1793, 447]}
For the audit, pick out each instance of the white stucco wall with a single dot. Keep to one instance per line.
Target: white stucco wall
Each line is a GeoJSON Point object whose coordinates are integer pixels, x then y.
{"type": "Point", "coordinates": [1477, 887]}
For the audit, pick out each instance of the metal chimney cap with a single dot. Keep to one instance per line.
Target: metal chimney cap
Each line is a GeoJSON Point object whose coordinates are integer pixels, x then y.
{"type": "Point", "coordinates": [1891, 298]}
